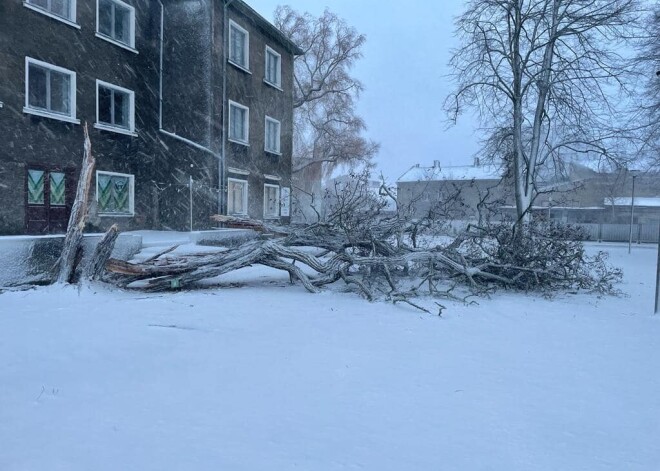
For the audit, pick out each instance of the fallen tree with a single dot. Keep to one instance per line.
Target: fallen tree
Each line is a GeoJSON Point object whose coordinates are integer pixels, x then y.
{"type": "Point", "coordinates": [377, 255]}
{"type": "Point", "coordinates": [376, 263]}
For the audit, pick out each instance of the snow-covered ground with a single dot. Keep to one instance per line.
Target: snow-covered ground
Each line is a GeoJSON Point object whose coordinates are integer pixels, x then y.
{"type": "Point", "coordinates": [269, 377]}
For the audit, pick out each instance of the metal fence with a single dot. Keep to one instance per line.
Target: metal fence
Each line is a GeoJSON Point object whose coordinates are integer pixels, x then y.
{"type": "Point", "coordinates": [621, 232]}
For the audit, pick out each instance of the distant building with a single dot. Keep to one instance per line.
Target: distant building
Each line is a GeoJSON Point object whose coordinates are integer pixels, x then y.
{"type": "Point", "coordinates": [582, 195]}
{"type": "Point", "coordinates": [456, 192]}
{"type": "Point", "coordinates": [158, 88]}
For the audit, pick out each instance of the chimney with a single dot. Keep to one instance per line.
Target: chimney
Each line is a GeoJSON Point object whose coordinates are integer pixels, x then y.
{"type": "Point", "coordinates": [477, 163]}
{"type": "Point", "coordinates": [436, 164]}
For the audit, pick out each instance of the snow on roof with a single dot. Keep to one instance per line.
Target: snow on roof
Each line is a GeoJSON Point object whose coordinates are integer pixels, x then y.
{"type": "Point", "coordinates": [649, 201]}
{"type": "Point", "coordinates": [459, 172]}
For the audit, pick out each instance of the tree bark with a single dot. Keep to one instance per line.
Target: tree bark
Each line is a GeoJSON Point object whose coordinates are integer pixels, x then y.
{"type": "Point", "coordinates": [96, 265]}
{"type": "Point", "coordinates": [78, 218]}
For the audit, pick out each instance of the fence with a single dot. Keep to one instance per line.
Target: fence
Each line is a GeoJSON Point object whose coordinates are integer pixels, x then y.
{"type": "Point", "coordinates": [621, 232]}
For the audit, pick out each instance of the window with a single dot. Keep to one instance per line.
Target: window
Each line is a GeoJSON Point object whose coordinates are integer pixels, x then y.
{"type": "Point", "coordinates": [239, 46]}
{"type": "Point", "coordinates": [63, 10]}
{"type": "Point", "coordinates": [50, 91]}
{"type": "Point", "coordinates": [115, 108]}
{"type": "Point", "coordinates": [272, 135]}
{"type": "Point", "coordinates": [115, 21]}
{"type": "Point", "coordinates": [273, 68]}
{"type": "Point", "coordinates": [237, 195]}
{"type": "Point", "coordinates": [114, 193]}
{"type": "Point", "coordinates": [285, 201]}
{"type": "Point", "coordinates": [239, 127]}
{"type": "Point", "coordinates": [36, 187]}
{"type": "Point", "coordinates": [271, 201]}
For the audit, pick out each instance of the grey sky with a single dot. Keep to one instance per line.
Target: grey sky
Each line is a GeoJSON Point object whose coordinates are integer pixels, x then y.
{"type": "Point", "coordinates": [403, 70]}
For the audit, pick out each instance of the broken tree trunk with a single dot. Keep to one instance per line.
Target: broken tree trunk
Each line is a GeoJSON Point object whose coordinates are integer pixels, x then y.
{"type": "Point", "coordinates": [96, 265]}
{"type": "Point", "coordinates": [78, 218]}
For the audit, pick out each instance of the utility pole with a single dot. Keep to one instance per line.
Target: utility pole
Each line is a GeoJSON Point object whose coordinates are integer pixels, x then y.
{"type": "Point", "coordinates": [632, 208]}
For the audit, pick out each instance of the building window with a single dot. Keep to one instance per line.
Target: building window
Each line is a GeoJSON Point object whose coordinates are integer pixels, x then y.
{"type": "Point", "coordinates": [36, 187]}
{"type": "Point", "coordinates": [115, 108]}
{"type": "Point", "coordinates": [271, 201]}
{"type": "Point", "coordinates": [273, 68]}
{"type": "Point", "coordinates": [114, 193]}
{"type": "Point", "coordinates": [272, 135]}
{"type": "Point", "coordinates": [239, 126]}
{"type": "Point", "coordinates": [57, 189]}
{"type": "Point", "coordinates": [50, 90]}
{"type": "Point", "coordinates": [239, 46]}
{"type": "Point", "coordinates": [58, 9]}
{"type": "Point", "coordinates": [237, 196]}
{"type": "Point", "coordinates": [115, 21]}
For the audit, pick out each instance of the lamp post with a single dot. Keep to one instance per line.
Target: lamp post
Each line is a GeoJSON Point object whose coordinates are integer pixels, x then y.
{"type": "Point", "coordinates": [633, 173]}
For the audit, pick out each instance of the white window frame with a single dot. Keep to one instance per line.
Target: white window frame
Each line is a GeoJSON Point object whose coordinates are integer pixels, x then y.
{"type": "Point", "coordinates": [131, 110]}
{"type": "Point", "coordinates": [278, 83]}
{"type": "Point", "coordinates": [246, 47]}
{"type": "Point", "coordinates": [131, 198]}
{"type": "Point", "coordinates": [72, 92]}
{"type": "Point", "coordinates": [71, 20]}
{"type": "Point", "coordinates": [279, 136]}
{"type": "Point", "coordinates": [131, 9]}
{"type": "Point", "coordinates": [245, 195]}
{"type": "Point", "coordinates": [247, 124]}
{"type": "Point", "coordinates": [271, 216]}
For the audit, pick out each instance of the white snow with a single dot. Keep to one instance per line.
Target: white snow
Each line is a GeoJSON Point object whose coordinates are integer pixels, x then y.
{"type": "Point", "coordinates": [269, 377]}
{"type": "Point", "coordinates": [451, 173]}
{"type": "Point", "coordinates": [646, 201]}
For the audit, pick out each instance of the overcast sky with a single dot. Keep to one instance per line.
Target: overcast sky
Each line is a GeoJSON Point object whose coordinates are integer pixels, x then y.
{"type": "Point", "coordinates": [404, 72]}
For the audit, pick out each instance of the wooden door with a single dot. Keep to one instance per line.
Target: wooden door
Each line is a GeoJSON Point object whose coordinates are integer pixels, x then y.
{"type": "Point", "coordinates": [49, 195]}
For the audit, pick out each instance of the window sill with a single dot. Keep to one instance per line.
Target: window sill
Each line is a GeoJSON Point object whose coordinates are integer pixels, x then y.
{"type": "Point", "coordinates": [272, 152]}
{"type": "Point", "coordinates": [116, 43]}
{"type": "Point", "coordinates": [116, 215]}
{"type": "Point", "coordinates": [104, 127]}
{"type": "Point", "coordinates": [66, 21]}
{"type": "Point", "coordinates": [271, 218]}
{"type": "Point", "coordinates": [273, 85]}
{"type": "Point", "coordinates": [237, 171]}
{"type": "Point", "coordinates": [235, 141]}
{"type": "Point", "coordinates": [48, 114]}
{"type": "Point", "coordinates": [239, 66]}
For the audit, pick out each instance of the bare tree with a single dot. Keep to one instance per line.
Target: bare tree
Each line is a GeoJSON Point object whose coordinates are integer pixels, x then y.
{"type": "Point", "coordinates": [327, 130]}
{"type": "Point", "coordinates": [648, 105]}
{"type": "Point", "coordinates": [544, 77]}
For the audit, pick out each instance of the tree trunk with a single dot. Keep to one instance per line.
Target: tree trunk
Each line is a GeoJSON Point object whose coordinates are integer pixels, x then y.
{"type": "Point", "coordinates": [78, 218]}
{"type": "Point", "coordinates": [96, 265]}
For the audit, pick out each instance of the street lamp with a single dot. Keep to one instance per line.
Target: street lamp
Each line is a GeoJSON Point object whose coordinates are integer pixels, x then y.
{"type": "Point", "coordinates": [633, 173]}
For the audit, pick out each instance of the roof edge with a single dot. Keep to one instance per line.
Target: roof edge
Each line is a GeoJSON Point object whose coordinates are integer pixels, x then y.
{"type": "Point", "coordinates": [267, 25]}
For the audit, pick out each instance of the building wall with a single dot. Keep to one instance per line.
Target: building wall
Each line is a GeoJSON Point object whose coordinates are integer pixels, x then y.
{"type": "Point", "coordinates": [453, 199]}
{"type": "Point", "coordinates": [162, 165]}
{"type": "Point", "coordinates": [262, 99]}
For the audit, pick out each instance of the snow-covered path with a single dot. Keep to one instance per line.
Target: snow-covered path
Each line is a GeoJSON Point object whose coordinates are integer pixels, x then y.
{"type": "Point", "coordinates": [263, 377]}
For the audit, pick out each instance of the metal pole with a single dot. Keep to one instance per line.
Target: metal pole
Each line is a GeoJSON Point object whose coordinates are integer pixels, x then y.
{"type": "Point", "coordinates": [632, 212]}
{"type": "Point", "coordinates": [657, 275]}
{"type": "Point", "coordinates": [191, 202]}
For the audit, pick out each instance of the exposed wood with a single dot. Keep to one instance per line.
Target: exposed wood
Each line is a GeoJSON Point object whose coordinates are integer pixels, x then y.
{"type": "Point", "coordinates": [96, 266]}
{"type": "Point", "coordinates": [78, 218]}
